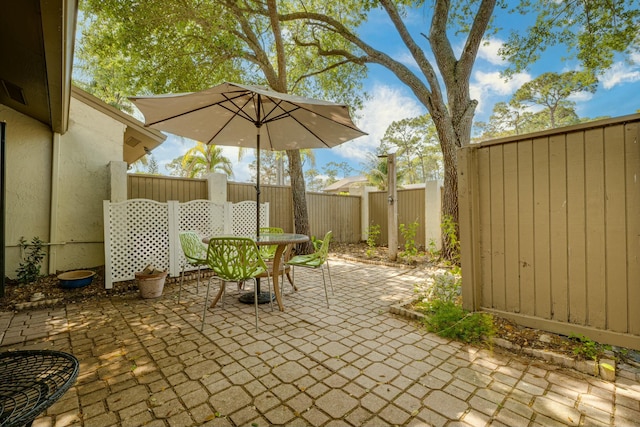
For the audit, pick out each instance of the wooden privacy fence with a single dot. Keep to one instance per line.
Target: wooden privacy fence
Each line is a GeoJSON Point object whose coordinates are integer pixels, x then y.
{"type": "Point", "coordinates": [331, 212]}
{"type": "Point", "coordinates": [550, 229]}
{"type": "Point", "coordinates": [278, 197]}
{"type": "Point", "coordinates": [411, 208]}
{"type": "Point", "coordinates": [165, 188]}
{"type": "Point", "coordinates": [339, 213]}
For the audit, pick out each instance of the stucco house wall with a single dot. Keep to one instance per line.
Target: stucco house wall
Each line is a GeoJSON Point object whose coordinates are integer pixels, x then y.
{"type": "Point", "coordinates": [55, 184]}
{"type": "Point", "coordinates": [85, 150]}
{"type": "Point", "coordinates": [28, 182]}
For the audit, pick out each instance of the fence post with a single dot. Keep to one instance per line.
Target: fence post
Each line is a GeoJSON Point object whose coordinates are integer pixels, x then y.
{"type": "Point", "coordinates": [433, 213]}
{"type": "Point", "coordinates": [173, 214]}
{"type": "Point", "coordinates": [117, 181]}
{"type": "Point", "coordinates": [363, 192]}
{"type": "Point", "coordinates": [469, 228]}
{"type": "Point", "coordinates": [217, 187]}
{"type": "Point", "coordinates": [108, 264]}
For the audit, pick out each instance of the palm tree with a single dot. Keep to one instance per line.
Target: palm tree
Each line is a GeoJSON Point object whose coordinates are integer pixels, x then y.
{"type": "Point", "coordinates": [376, 172]}
{"type": "Point", "coordinates": [280, 159]}
{"type": "Point", "coordinates": [203, 159]}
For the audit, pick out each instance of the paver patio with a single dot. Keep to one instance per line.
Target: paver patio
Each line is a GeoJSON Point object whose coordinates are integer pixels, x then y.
{"type": "Point", "coordinates": [145, 362]}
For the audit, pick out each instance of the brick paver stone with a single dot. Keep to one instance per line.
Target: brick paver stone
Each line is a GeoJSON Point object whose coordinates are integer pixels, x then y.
{"type": "Point", "coordinates": [290, 371]}
{"type": "Point", "coordinates": [145, 362]}
{"type": "Point", "coordinates": [449, 406]}
{"type": "Point", "coordinates": [230, 400]}
{"type": "Point", "coordinates": [336, 403]}
{"type": "Point", "coordinates": [557, 411]}
{"type": "Point", "coordinates": [127, 397]}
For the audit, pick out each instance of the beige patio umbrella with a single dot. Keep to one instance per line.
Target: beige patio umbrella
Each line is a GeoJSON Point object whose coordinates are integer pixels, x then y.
{"type": "Point", "coordinates": [240, 115]}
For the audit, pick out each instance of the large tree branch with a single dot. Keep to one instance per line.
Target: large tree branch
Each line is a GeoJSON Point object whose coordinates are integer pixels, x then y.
{"type": "Point", "coordinates": [476, 34]}
{"type": "Point", "coordinates": [277, 35]}
{"type": "Point", "coordinates": [319, 71]}
{"type": "Point", "coordinates": [415, 50]}
{"type": "Point", "coordinates": [372, 55]}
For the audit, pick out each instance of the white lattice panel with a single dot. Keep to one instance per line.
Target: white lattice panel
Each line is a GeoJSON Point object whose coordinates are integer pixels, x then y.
{"type": "Point", "coordinates": [243, 217]}
{"type": "Point", "coordinates": [138, 235]}
{"type": "Point", "coordinates": [138, 232]}
{"type": "Point", "coordinates": [205, 218]}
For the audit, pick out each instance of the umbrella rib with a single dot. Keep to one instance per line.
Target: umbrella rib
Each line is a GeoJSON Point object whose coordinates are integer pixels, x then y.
{"type": "Point", "coordinates": [238, 112]}
{"type": "Point", "coordinates": [286, 113]}
{"type": "Point", "coordinates": [204, 107]}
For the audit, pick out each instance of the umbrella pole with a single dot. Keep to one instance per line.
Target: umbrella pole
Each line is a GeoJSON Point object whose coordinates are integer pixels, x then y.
{"type": "Point", "coordinates": [249, 297]}
{"type": "Point", "coordinates": [258, 181]}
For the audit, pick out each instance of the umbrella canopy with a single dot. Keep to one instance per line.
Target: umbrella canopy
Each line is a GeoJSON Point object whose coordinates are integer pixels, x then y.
{"type": "Point", "coordinates": [228, 114]}
{"type": "Point", "coordinates": [239, 115]}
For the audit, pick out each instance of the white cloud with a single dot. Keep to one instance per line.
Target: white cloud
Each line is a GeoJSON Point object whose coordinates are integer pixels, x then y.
{"type": "Point", "coordinates": [387, 104]}
{"type": "Point", "coordinates": [489, 51]}
{"type": "Point", "coordinates": [621, 73]}
{"type": "Point", "coordinates": [406, 59]}
{"type": "Point", "coordinates": [486, 85]}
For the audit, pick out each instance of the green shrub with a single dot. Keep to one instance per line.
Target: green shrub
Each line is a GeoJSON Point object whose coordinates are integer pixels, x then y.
{"type": "Point", "coordinates": [409, 234]}
{"type": "Point", "coordinates": [444, 286]}
{"type": "Point", "coordinates": [587, 348]}
{"type": "Point", "coordinates": [449, 230]}
{"type": "Point", "coordinates": [373, 232]}
{"type": "Point", "coordinates": [29, 269]}
{"type": "Point", "coordinates": [450, 320]}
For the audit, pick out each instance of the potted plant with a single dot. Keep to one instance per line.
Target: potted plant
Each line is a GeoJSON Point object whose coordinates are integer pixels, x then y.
{"type": "Point", "coordinates": [151, 281]}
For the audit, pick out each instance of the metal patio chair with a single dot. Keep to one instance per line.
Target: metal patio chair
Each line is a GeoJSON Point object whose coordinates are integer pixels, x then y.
{"type": "Point", "coordinates": [235, 259]}
{"type": "Point", "coordinates": [318, 259]}
{"type": "Point", "coordinates": [195, 253]}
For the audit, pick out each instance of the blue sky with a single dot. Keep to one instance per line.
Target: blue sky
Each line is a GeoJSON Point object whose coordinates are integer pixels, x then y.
{"type": "Point", "coordinates": [391, 100]}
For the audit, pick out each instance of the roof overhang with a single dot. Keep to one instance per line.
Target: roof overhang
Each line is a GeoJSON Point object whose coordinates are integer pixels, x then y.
{"type": "Point", "coordinates": [138, 139]}
{"type": "Point", "coordinates": [37, 39]}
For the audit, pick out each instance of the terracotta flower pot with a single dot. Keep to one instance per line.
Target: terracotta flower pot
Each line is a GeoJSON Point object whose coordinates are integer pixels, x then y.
{"type": "Point", "coordinates": [151, 285]}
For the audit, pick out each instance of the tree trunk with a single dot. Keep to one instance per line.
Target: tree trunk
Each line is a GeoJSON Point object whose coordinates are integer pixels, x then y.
{"type": "Point", "coordinates": [450, 201]}
{"type": "Point", "coordinates": [298, 190]}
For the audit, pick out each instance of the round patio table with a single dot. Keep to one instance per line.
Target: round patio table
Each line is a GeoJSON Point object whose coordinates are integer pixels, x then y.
{"type": "Point", "coordinates": [281, 240]}
{"type": "Point", "coordinates": [31, 381]}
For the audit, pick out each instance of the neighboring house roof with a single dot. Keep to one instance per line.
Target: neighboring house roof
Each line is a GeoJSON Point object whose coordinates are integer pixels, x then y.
{"type": "Point", "coordinates": [413, 186]}
{"type": "Point", "coordinates": [137, 138]}
{"type": "Point", "coordinates": [37, 40]}
{"type": "Point", "coordinates": [344, 184]}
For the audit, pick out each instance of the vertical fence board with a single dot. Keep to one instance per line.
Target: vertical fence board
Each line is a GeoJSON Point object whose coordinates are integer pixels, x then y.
{"type": "Point", "coordinates": [484, 186]}
{"type": "Point", "coordinates": [511, 222]}
{"type": "Point", "coordinates": [541, 226]}
{"type": "Point", "coordinates": [497, 227]}
{"type": "Point", "coordinates": [615, 229]}
{"type": "Point", "coordinates": [558, 227]}
{"type": "Point", "coordinates": [279, 199]}
{"type": "Point", "coordinates": [632, 168]}
{"type": "Point", "coordinates": [411, 209]}
{"type": "Point", "coordinates": [468, 218]}
{"type": "Point", "coordinates": [594, 180]}
{"type": "Point", "coordinates": [576, 239]}
{"type": "Point", "coordinates": [378, 214]}
{"type": "Point", "coordinates": [339, 214]}
{"type": "Point", "coordinates": [526, 230]}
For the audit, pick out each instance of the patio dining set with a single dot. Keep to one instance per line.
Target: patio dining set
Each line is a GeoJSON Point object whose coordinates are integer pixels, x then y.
{"type": "Point", "coordinates": [238, 259]}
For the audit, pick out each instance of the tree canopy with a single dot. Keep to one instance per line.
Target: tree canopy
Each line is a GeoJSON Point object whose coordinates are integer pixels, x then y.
{"type": "Point", "coordinates": [157, 46]}
{"type": "Point", "coordinates": [131, 48]}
